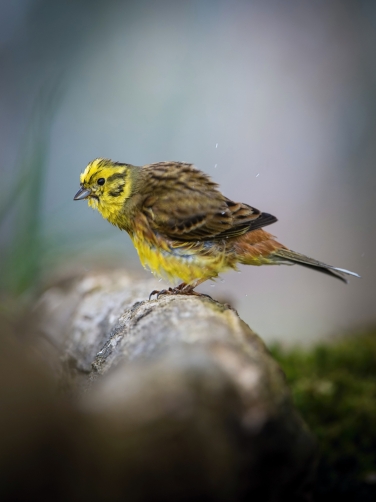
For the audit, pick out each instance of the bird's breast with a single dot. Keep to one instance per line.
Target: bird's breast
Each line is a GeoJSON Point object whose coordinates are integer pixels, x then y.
{"type": "Point", "coordinates": [185, 261]}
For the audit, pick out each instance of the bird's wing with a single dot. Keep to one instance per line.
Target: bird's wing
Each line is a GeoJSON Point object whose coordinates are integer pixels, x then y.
{"type": "Point", "coordinates": [184, 204]}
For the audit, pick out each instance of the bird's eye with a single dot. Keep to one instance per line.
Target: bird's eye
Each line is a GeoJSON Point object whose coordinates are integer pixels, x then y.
{"type": "Point", "coordinates": [101, 181]}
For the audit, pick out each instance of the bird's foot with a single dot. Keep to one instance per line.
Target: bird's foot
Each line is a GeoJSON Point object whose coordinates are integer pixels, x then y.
{"type": "Point", "coordinates": [168, 291]}
{"type": "Point", "coordinates": [182, 289]}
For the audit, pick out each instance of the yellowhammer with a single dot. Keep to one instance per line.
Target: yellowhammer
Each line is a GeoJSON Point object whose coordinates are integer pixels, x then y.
{"type": "Point", "coordinates": [181, 224]}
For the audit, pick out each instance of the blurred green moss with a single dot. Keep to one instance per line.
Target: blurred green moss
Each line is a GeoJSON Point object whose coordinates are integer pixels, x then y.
{"type": "Point", "coordinates": [334, 387]}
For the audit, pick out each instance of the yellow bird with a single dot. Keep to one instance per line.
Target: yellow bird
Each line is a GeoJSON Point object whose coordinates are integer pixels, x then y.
{"type": "Point", "coordinates": [182, 226]}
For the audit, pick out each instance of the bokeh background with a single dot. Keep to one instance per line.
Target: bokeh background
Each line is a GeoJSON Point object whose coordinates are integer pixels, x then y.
{"type": "Point", "coordinates": [275, 100]}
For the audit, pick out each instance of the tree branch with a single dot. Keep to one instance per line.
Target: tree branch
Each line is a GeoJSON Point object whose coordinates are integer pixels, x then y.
{"type": "Point", "coordinates": [182, 398]}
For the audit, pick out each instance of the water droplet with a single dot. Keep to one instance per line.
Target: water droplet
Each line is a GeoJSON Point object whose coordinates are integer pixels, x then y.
{"type": "Point", "coordinates": [160, 280]}
{"type": "Point", "coordinates": [215, 165]}
{"type": "Point", "coordinates": [246, 295]}
{"type": "Point", "coordinates": [212, 285]}
{"type": "Point", "coordinates": [216, 145]}
{"type": "Point", "coordinates": [257, 175]}
{"type": "Point", "coordinates": [223, 212]}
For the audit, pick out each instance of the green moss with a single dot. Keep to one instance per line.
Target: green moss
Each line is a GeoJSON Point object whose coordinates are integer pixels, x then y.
{"type": "Point", "coordinates": [334, 387]}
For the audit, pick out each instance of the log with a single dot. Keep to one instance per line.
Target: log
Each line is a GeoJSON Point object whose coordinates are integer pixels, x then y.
{"type": "Point", "coordinates": [174, 398]}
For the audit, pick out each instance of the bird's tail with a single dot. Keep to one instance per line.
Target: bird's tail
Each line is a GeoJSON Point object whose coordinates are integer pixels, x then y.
{"type": "Point", "coordinates": [288, 256]}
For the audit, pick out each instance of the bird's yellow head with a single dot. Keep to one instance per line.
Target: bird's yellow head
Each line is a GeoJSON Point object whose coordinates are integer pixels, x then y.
{"type": "Point", "coordinates": [106, 185]}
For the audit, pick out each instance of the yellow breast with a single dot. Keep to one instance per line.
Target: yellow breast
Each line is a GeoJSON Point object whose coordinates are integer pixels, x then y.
{"type": "Point", "coordinates": [189, 263]}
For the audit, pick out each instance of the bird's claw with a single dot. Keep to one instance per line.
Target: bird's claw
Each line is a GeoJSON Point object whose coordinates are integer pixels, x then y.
{"type": "Point", "coordinates": [168, 291]}
{"type": "Point", "coordinates": [182, 289]}
{"type": "Point", "coordinates": [153, 293]}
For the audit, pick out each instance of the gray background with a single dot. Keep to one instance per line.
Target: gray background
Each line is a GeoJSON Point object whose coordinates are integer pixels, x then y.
{"type": "Point", "coordinates": [275, 100]}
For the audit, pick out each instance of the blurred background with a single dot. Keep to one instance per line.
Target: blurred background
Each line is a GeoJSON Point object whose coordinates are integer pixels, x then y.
{"type": "Point", "coordinates": [275, 100]}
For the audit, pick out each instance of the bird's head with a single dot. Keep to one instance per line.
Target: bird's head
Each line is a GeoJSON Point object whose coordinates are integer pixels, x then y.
{"type": "Point", "coordinates": [106, 185]}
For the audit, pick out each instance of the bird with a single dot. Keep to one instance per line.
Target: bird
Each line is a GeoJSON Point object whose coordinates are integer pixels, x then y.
{"type": "Point", "coordinates": [182, 226]}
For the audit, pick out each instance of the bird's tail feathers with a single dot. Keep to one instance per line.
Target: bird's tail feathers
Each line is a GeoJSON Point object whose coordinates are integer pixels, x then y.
{"type": "Point", "coordinates": [288, 256]}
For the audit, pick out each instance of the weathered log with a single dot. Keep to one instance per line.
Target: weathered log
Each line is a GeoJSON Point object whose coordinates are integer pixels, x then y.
{"type": "Point", "coordinates": [176, 398]}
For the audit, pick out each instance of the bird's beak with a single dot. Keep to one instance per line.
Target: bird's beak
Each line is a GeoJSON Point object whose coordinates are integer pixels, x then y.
{"type": "Point", "coordinates": [83, 193]}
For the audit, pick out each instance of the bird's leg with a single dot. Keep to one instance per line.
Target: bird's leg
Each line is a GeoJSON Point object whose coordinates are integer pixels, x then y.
{"type": "Point", "coordinates": [181, 289]}
{"type": "Point", "coordinates": [188, 289]}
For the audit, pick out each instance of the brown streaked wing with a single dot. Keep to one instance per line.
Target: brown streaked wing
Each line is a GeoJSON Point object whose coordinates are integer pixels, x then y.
{"type": "Point", "coordinates": [245, 219]}
{"type": "Point", "coordinates": [184, 204]}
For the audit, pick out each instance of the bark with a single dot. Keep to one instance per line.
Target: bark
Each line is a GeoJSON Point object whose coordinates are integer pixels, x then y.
{"type": "Point", "coordinates": [174, 399]}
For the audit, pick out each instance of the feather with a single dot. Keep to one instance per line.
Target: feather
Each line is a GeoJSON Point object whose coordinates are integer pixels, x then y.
{"type": "Point", "coordinates": [305, 261]}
